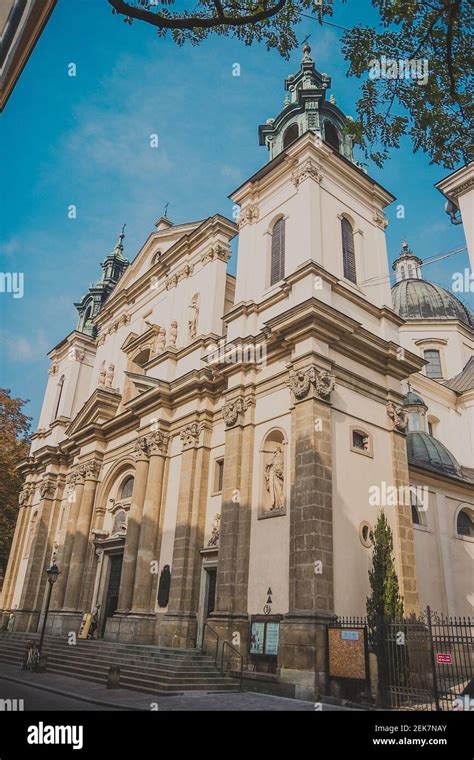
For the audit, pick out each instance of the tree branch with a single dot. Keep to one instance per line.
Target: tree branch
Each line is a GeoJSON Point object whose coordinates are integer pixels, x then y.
{"type": "Point", "coordinates": [194, 22]}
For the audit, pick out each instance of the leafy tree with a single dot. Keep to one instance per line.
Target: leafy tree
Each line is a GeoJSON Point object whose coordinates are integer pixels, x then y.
{"type": "Point", "coordinates": [385, 603]}
{"type": "Point", "coordinates": [436, 115]}
{"type": "Point", "coordinates": [14, 446]}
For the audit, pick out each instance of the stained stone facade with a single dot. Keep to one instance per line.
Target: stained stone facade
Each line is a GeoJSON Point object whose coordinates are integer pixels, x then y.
{"type": "Point", "coordinates": [230, 430]}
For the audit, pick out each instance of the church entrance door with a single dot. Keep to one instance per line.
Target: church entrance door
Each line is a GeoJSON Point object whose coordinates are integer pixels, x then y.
{"type": "Point", "coordinates": [113, 586]}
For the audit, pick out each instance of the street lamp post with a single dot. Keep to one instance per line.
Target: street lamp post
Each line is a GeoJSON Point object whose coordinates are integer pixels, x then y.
{"type": "Point", "coordinates": [52, 573]}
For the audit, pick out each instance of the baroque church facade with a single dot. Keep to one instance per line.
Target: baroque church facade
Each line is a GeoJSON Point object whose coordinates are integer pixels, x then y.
{"type": "Point", "coordinates": [216, 449]}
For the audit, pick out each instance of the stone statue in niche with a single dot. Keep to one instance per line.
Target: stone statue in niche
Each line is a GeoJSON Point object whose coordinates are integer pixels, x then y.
{"type": "Point", "coordinates": [120, 521]}
{"type": "Point", "coordinates": [274, 500]}
{"type": "Point", "coordinates": [215, 532]}
{"type": "Point", "coordinates": [109, 376]}
{"type": "Point", "coordinates": [193, 316]}
{"type": "Point", "coordinates": [173, 334]}
{"type": "Point", "coordinates": [161, 340]}
{"type": "Point", "coordinates": [102, 375]}
{"type": "Point", "coordinates": [164, 587]}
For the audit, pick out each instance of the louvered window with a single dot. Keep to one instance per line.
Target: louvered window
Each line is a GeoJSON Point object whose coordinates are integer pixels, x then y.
{"type": "Point", "coordinates": [348, 252]}
{"type": "Point", "coordinates": [278, 252]}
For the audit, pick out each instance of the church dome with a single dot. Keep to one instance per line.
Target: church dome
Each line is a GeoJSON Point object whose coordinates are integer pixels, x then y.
{"type": "Point", "coordinates": [430, 454]}
{"type": "Point", "coordinates": [418, 299]}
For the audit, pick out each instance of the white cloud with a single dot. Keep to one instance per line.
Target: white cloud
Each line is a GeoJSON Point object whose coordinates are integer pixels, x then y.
{"type": "Point", "coordinates": [21, 348]}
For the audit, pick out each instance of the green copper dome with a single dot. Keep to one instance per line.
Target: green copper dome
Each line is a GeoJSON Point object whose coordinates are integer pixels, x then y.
{"type": "Point", "coordinates": [426, 452]}
{"type": "Point", "coordinates": [418, 299]}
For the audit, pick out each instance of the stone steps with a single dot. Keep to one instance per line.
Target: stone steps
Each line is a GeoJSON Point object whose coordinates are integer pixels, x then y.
{"type": "Point", "coordinates": [145, 668]}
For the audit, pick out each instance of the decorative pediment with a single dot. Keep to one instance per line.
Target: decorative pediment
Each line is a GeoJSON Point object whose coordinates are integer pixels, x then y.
{"type": "Point", "coordinates": [99, 408]}
{"type": "Point", "coordinates": [129, 343]}
{"type": "Point", "coordinates": [153, 338]}
{"type": "Point", "coordinates": [142, 383]}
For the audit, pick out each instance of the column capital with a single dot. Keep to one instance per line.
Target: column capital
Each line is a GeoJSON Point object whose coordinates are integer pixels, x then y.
{"type": "Point", "coordinates": [140, 450]}
{"type": "Point", "coordinates": [398, 416]}
{"type": "Point", "coordinates": [233, 411]}
{"type": "Point", "coordinates": [191, 434]}
{"type": "Point", "coordinates": [303, 381]}
{"type": "Point", "coordinates": [91, 469]}
{"type": "Point", "coordinates": [47, 488]}
{"type": "Point", "coordinates": [157, 443]}
{"type": "Point", "coordinates": [25, 494]}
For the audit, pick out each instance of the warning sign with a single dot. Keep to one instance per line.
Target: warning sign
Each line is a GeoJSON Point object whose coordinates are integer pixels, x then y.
{"type": "Point", "coordinates": [444, 659]}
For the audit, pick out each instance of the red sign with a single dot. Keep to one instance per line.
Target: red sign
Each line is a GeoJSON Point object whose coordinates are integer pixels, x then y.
{"type": "Point", "coordinates": [444, 659]}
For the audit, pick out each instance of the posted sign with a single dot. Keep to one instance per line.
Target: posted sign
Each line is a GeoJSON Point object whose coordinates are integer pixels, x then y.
{"type": "Point", "coordinates": [444, 659]}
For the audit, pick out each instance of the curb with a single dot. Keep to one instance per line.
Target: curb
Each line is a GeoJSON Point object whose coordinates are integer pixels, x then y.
{"type": "Point", "coordinates": [71, 695]}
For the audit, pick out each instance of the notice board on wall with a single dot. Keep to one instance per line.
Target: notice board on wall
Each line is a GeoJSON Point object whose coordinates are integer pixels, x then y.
{"type": "Point", "coordinates": [347, 653]}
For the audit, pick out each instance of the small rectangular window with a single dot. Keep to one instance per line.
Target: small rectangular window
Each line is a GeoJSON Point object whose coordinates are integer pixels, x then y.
{"type": "Point", "coordinates": [433, 368]}
{"type": "Point", "coordinates": [219, 476]}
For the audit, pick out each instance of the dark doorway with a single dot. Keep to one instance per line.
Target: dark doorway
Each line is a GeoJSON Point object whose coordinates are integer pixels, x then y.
{"type": "Point", "coordinates": [211, 590]}
{"type": "Point", "coordinates": [111, 599]}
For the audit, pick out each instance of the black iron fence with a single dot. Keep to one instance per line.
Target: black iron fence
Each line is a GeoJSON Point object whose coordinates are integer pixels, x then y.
{"type": "Point", "coordinates": [423, 663]}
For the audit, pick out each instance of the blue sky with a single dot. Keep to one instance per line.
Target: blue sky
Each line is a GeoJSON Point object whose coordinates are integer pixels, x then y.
{"type": "Point", "coordinates": [85, 140]}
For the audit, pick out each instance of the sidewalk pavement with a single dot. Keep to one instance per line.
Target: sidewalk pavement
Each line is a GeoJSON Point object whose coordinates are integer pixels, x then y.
{"type": "Point", "coordinates": [125, 699]}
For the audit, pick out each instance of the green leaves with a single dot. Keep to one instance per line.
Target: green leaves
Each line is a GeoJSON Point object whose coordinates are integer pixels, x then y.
{"type": "Point", "coordinates": [385, 601]}
{"type": "Point", "coordinates": [435, 114]}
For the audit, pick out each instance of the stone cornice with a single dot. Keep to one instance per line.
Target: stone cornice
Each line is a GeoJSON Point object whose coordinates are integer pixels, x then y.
{"type": "Point", "coordinates": [244, 308]}
{"type": "Point", "coordinates": [315, 318]}
{"type": "Point", "coordinates": [336, 169]}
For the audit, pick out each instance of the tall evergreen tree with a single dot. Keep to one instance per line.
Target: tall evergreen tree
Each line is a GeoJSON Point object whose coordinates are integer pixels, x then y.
{"type": "Point", "coordinates": [14, 446]}
{"type": "Point", "coordinates": [385, 603]}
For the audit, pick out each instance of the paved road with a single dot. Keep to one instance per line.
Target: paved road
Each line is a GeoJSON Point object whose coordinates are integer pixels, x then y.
{"type": "Point", "coordinates": [65, 694]}
{"type": "Point", "coordinates": [38, 699]}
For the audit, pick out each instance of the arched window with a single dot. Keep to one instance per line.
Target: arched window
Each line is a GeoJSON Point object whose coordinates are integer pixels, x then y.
{"type": "Point", "coordinates": [156, 257]}
{"type": "Point", "coordinates": [403, 271]}
{"type": "Point", "coordinates": [59, 393]}
{"type": "Point", "coordinates": [331, 136]}
{"type": "Point", "coordinates": [277, 271]}
{"type": "Point", "coordinates": [418, 511]}
{"type": "Point", "coordinates": [127, 488]}
{"type": "Point", "coordinates": [465, 524]}
{"type": "Point", "coordinates": [348, 252]}
{"type": "Point", "coordinates": [290, 135]}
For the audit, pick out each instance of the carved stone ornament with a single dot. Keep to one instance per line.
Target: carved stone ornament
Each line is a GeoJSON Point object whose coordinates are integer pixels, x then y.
{"type": "Point", "coordinates": [300, 383]}
{"type": "Point", "coordinates": [24, 495]}
{"type": "Point", "coordinates": [91, 469]}
{"type": "Point", "coordinates": [217, 251]}
{"type": "Point", "coordinates": [47, 489]}
{"type": "Point", "coordinates": [307, 169]}
{"type": "Point", "coordinates": [233, 409]}
{"type": "Point", "coordinates": [398, 416]}
{"type": "Point", "coordinates": [71, 480]}
{"type": "Point", "coordinates": [379, 219]}
{"type": "Point", "coordinates": [248, 215]}
{"type": "Point", "coordinates": [190, 434]}
{"type": "Point", "coordinates": [53, 370]}
{"type": "Point", "coordinates": [215, 531]}
{"type": "Point", "coordinates": [158, 443]}
{"type": "Point", "coordinates": [120, 322]}
{"type": "Point", "coordinates": [140, 450]}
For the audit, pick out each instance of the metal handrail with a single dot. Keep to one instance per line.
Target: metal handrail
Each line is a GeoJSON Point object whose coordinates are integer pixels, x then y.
{"type": "Point", "coordinates": [206, 625]}
{"type": "Point", "coordinates": [226, 643]}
